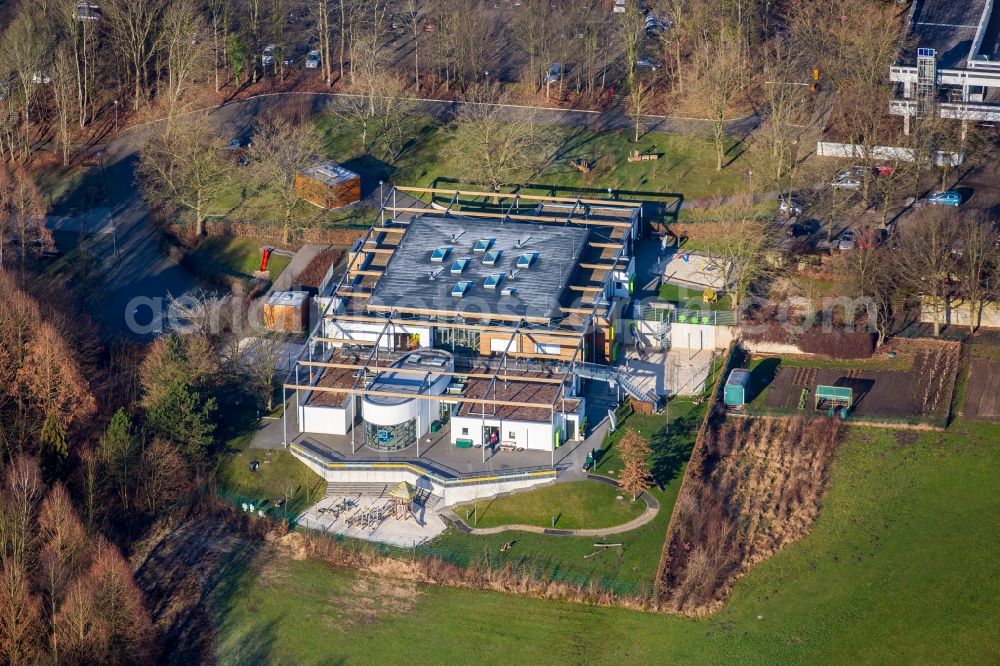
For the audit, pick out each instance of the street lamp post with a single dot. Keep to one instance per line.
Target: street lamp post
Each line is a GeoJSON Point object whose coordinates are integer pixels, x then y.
{"type": "Point", "coordinates": [750, 176]}
{"type": "Point", "coordinates": [116, 115]}
{"type": "Point", "coordinates": [487, 72]}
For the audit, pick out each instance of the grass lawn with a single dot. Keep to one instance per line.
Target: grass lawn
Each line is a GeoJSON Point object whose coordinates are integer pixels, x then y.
{"type": "Point", "coordinates": [685, 297]}
{"type": "Point", "coordinates": [628, 569]}
{"type": "Point", "coordinates": [686, 165]}
{"type": "Point", "coordinates": [581, 504]}
{"type": "Point", "coordinates": [279, 474]}
{"type": "Point", "coordinates": [900, 567]}
{"type": "Point", "coordinates": [236, 257]}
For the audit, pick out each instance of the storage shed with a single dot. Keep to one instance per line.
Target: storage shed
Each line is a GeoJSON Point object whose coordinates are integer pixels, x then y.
{"type": "Point", "coordinates": [328, 185]}
{"type": "Point", "coordinates": [735, 394]}
{"type": "Point", "coordinates": [287, 311]}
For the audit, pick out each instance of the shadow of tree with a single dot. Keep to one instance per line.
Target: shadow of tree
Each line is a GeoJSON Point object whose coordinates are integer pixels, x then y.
{"type": "Point", "coordinates": [672, 445]}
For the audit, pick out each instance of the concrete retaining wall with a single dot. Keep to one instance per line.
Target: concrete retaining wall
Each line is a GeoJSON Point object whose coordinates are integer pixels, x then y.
{"type": "Point", "coordinates": [450, 494]}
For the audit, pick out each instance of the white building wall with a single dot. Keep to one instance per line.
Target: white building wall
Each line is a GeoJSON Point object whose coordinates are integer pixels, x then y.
{"type": "Point", "coordinates": [363, 331]}
{"type": "Point", "coordinates": [533, 435]}
{"type": "Point", "coordinates": [326, 420]}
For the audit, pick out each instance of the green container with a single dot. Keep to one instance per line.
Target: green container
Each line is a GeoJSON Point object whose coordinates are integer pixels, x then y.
{"type": "Point", "coordinates": [463, 443]}
{"type": "Point", "coordinates": [435, 426]}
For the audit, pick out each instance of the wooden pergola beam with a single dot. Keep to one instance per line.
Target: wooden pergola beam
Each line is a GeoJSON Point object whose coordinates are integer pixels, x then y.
{"type": "Point", "coordinates": [414, 371]}
{"type": "Point", "coordinates": [513, 216]}
{"type": "Point", "coordinates": [418, 396]}
{"type": "Point", "coordinates": [453, 313]}
{"type": "Point", "coordinates": [609, 203]}
{"type": "Point", "coordinates": [485, 328]}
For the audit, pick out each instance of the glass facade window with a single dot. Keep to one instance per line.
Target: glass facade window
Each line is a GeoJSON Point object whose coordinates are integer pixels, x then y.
{"type": "Point", "coordinates": [391, 438]}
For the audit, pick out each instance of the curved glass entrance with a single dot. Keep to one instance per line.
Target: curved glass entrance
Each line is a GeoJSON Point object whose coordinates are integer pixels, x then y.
{"type": "Point", "coordinates": [391, 438]}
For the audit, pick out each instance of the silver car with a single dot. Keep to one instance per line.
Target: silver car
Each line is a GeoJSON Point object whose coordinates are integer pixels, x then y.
{"type": "Point", "coordinates": [312, 60]}
{"type": "Point", "coordinates": [848, 179]}
{"type": "Point", "coordinates": [847, 240]}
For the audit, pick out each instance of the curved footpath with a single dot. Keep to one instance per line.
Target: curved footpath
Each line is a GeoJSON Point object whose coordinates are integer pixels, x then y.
{"type": "Point", "coordinates": [652, 508]}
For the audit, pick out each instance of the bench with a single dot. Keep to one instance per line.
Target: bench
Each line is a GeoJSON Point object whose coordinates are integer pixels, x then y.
{"type": "Point", "coordinates": [463, 443]}
{"type": "Point", "coordinates": [508, 446]}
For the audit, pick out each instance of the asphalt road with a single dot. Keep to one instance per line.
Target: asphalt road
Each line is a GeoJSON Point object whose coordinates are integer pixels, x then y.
{"type": "Point", "coordinates": [141, 281]}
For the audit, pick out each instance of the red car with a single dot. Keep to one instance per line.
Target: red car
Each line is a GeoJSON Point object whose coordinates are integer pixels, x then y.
{"type": "Point", "coordinates": [883, 169]}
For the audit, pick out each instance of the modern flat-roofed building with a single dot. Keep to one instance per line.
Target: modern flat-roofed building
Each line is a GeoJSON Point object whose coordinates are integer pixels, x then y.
{"type": "Point", "coordinates": [480, 317]}
{"type": "Point", "coordinates": [954, 69]}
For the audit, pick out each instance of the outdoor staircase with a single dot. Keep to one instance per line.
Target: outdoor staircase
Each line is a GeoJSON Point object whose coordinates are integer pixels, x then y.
{"type": "Point", "coordinates": [337, 489]}
{"type": "Point", "coordinates": [617, 375]}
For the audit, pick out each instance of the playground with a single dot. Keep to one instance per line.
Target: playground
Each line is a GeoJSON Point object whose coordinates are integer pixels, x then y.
{"type": "Point", "coordinates": [394, 519]}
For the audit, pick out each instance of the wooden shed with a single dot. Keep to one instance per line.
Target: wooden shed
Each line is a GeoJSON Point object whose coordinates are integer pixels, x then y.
{"type": "Point", "coordinates": [287, 311]}
{"type": "Point", "coordinates": [328, 185]}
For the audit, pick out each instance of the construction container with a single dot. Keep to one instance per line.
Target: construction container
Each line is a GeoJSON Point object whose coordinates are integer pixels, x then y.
{"type": "Point", "coordinates": [735, 393]}
{"type": "Point", "coordinates": [328, 185]}
{"type": "Point", "coordinates": [287, 311]}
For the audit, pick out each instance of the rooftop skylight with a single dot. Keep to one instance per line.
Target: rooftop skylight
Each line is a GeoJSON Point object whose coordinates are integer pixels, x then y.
{"type": "Point", "coordinates": [483, 244]}
{"type": "Point", "coordinates": [526, 259]}
{"type": "Point", "coordinates": [493, 280]}
{"type": "Point", "coordinates": [440, 254]}
{"type": "Point", "coordinates": [492, 257]}
{"type": "Point", "coordinates": [459, 289]}
{"type": "Point", "coordinates": [459, 265]}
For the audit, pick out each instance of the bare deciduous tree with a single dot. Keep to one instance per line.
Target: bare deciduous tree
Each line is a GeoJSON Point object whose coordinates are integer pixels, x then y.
{"type": "Point", "coordinates": [280, 150]}
{"type": "Point", "coordinates": [184, 168]}
{"type": "Point", "coordinates": [494, 144]}
{"type": "Point", "coordinates": [924, 259]}
{"type": "Point", "coordinates": [134, 30]}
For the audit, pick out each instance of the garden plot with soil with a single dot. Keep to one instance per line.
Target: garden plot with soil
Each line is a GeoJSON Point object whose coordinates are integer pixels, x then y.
{"type": "Point", "coordinates": [982, 399]}
{"type": "Point", "coordinates": [922, 392]}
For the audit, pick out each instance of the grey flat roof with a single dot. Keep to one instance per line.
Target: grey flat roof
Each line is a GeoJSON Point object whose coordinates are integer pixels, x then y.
{"type": "Point", "coordinates": [947, 26]}
{"type": "Point", "coordinates": [329, 173]}
{"type": "Point", "coordinates": [407, 281]}
{"type": "Point", "coordinates": [429, 360]}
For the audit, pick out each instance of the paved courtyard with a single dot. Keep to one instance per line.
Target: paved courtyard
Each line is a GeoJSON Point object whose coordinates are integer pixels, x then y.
{"type": "Point", "coordinates": [330, 515]}
{"type": "Point", "coordinates": [435, 450]}
{"type": "Point", "coordinates": [692, 269]}
{"type": "Point", "coordinates": [678, 371]}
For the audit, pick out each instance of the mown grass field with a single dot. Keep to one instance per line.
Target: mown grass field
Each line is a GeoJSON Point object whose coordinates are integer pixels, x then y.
{"type": "Point", "coordinates": [580, 504]}
{"type": "Point", "coordinates": [236, 257]}
{"type": "Point", "coordinates": [686, 165]}
{"type": "Point", "coordinates": [901, 567]}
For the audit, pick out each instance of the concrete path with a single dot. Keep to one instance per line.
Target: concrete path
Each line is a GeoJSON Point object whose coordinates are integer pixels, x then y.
{"type": "Point", "coordinates": [652, 508]}
{"type": "Point", "coordinates": [298, 264]}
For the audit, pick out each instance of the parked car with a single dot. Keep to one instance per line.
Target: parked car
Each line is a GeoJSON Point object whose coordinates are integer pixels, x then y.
{"type": "Point", "coordinates": [872, 237]}
{"type": "Point", "coordinates": [619, 7]}
{"type": "Point", "coordinates": [654, 24]}
{"type": "Point", "coordinates": [554, 75]}
{"type": "Point", "coordinates": [430, 26]}
{"type": "Point", "coordinates": [883, 169]}
{"type": "Point", "coordinates": [647, 63]}
{"type": "Point", "coordinates": [848, 179]}
{"type": "Point", "coordinates": [87, 12]}
{"type": "Point", "coordinates": [313, 60]}
{"type": "Point", "coordinates": [847, 240]}
{"type": "Point", "coordinates": [946, 198]}
{"type": "Point", "coordinates": [796, 230]}
{"type": "Point", "coordinates": [41, 77]}
{"type": "Point", "coordinates": [789, 205]}
{"type": "Point", "coordinates": [267, 57]}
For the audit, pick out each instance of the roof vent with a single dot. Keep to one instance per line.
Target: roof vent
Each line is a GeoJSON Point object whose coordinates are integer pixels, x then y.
{"type": "Point", "coordinates": [508, 291]}
{"type": "Point", "coordinates": [436, 273]}
{"type": "Point", "coordinates": [521, 241]}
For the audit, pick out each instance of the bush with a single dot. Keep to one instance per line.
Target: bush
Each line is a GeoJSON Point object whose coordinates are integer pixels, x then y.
{"type": "Point", "coordinates": [837, 344]}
